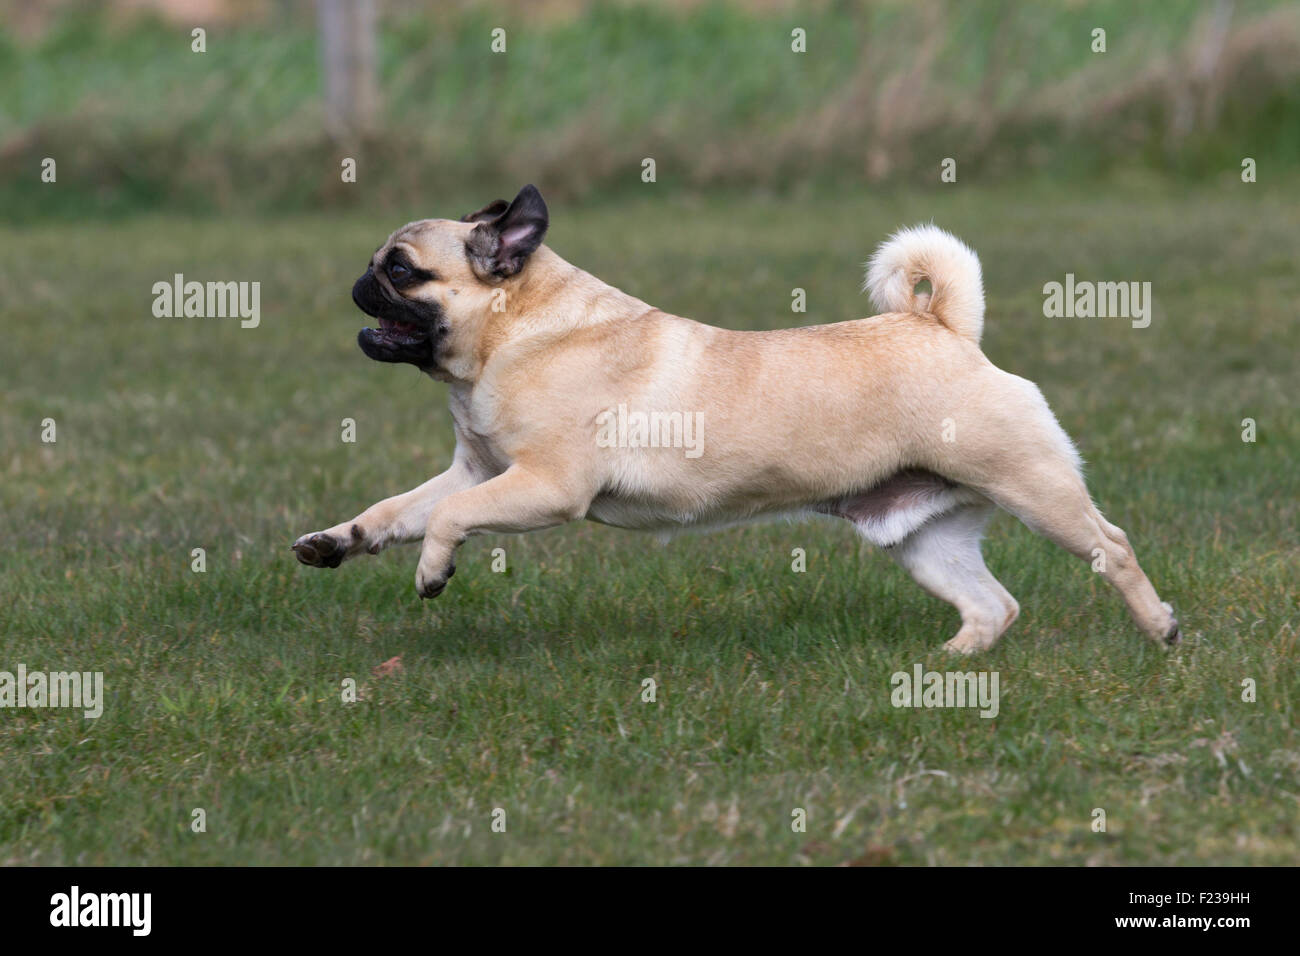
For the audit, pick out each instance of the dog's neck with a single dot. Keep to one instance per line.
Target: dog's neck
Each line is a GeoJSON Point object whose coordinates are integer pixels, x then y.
{"type": "Point", "coordinates": [554, 296]}
{"type": "Point", "coordinates": [547, 300]}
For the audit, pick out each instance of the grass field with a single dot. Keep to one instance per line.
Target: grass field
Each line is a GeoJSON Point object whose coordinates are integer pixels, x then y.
{"type": "Point", "coordinates": [522, 690]}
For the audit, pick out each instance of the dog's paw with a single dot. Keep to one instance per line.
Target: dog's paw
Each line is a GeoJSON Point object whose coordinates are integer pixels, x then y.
{"type": "Point", "coordinates": [1173, 633]}
{"type": "Point", "coordinates": [963, 646]}
{"type": "Point", "coordinates": [320, 550]}
{"type": "Point", "coordinates": [429, 583]}
{"type": "Point", "coordinates": [971, 639]}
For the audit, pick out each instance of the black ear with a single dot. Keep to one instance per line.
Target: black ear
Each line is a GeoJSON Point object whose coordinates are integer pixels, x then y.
{"type": "Point", "coordinates": [493, 209]}
{"type": "Point", "coordinates": [500, 247]}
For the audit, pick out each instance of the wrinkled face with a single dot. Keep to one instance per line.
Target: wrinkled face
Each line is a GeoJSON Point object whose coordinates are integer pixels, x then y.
{"type": "Point", "coordinates": [436, 277]}
{"type": "Point", "coordinates": [409, 287]}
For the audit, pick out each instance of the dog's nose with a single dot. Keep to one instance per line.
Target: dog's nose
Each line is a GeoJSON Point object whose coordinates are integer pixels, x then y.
{"type": "Point", "coordinates": [361, 288]}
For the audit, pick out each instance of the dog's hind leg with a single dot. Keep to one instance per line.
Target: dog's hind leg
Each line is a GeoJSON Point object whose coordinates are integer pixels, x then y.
{"type": "Point", "coordinates": [943, 556]}
{"type": "Point", "coordinates": [933, 527]}
{"type": "Point", "coordinates": [1050, 498]}
{"type": "Point", "coordinates": [1014, 452]}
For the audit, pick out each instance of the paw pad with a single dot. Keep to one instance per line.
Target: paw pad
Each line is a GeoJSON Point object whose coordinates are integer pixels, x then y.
{"type": "Point", "coordinates": [319, 551]}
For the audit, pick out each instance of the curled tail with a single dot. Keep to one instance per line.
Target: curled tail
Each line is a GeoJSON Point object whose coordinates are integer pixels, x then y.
{"type": "Point", "coordinates": [927, 252]}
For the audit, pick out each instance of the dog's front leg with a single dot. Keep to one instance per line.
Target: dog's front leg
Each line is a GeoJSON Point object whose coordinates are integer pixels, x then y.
{"type": "Point", "coordinates": [394, 520]}
{"type": "Point", "coordinates": [519, 499]}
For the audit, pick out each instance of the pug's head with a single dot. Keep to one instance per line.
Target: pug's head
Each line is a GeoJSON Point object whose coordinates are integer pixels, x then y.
{"type": "Point", "coordinates": [432, 284]}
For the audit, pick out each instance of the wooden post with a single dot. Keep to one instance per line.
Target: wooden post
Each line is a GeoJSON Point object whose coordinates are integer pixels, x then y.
{"type": "Point", "coordinates": [347, 35]}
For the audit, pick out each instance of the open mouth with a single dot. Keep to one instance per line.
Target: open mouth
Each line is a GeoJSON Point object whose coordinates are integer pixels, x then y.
{"type": "Point", "coordinates": [398, 333]}
{"type": "Point", "coordinates": [396, 339]}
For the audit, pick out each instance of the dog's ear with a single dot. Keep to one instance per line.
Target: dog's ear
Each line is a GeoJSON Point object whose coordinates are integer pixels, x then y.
{"type": "Point", "coordinates": [493, 209]}
{"type": "Point", "coordinates": [499, 247]}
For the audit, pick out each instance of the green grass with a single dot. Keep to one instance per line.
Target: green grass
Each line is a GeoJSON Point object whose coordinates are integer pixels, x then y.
{"type": "Point", "coordinates": [522, 690]}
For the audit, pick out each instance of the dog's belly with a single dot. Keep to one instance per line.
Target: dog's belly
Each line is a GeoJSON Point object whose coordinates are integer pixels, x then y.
{"type": "Point", "coordinates": [884, 513]}
{"type": "Point", "coordinates": [626, 513]}
{"type": "Point", "coordinates": [638, 513]}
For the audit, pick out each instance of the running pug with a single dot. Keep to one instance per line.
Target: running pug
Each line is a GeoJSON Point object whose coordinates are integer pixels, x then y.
{"type": "Point", "coordinates": [895, 423]}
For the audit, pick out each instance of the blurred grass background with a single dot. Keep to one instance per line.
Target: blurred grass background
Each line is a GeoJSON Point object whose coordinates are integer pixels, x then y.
{"type": "Point", "coordinates": [711, 91]}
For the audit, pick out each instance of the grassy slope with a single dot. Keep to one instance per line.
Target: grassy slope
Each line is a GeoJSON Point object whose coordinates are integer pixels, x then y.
{"type": "Point", "coordinates": [522, 690]}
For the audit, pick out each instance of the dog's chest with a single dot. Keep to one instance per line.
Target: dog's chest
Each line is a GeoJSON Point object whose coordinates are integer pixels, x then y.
{"type": "Point", "coordinates": [473, 433]}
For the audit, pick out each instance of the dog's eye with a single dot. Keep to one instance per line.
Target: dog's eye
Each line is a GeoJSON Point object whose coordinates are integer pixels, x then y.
{"type": "Point", "coordinates": [398, 272]}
